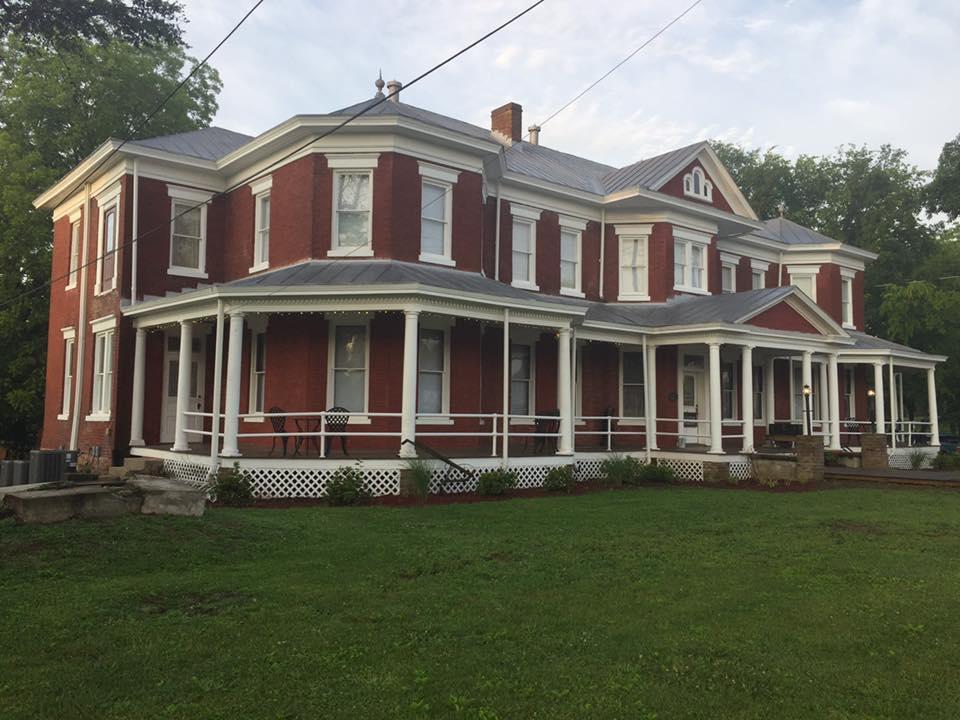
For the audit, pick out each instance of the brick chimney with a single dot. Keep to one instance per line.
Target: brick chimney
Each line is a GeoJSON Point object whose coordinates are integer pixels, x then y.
{"type": "Point", "coordinates": [506, 121]}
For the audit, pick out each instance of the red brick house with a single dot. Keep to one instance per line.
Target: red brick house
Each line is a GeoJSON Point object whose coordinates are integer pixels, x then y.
{"type": "Point", "coordinates": [406, 265]}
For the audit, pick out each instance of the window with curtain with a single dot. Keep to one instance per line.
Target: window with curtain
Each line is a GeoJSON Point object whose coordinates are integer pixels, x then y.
{"type": "Point", "coordinates": [350, 367]}
{"type": "Point", "coordinates": [758, 393]}
{"type": "Point", "coordinates": [431, 370]}
{"type": "Point", "coordinates": [633, 266]}
{"type": "Point", "coordinates": [632, 390]}
{"type": "Point", "coordinates": [521, 379]}
{"type": "Point", "coordinates": [353, 206]}
{"type": "Point", "coordinates": [186, 244]}
{"type": "Point", "coordinates": [728, 391]}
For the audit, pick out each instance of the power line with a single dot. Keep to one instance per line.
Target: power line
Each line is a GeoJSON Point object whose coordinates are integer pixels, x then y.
{"type": "Point", "coordinates": [284, 158]}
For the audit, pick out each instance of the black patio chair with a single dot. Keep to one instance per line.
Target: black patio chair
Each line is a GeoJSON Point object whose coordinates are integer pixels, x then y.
{"type": "Point", "coordinates": [546, 429]}
{"type": "Point", "coordinates": [279, 423]}
{"type": "Point", "coordinates": [337, 418]}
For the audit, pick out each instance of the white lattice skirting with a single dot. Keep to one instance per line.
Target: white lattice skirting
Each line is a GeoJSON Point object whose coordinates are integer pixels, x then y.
{"type": "Point", "coordinates": [902, 458]}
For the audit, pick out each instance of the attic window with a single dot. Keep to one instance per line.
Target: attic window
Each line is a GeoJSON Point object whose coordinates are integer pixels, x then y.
{"type": "Point", "coordinates": [695, 184]}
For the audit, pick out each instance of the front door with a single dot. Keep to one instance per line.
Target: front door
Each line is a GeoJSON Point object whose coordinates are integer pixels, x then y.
{"type": "Point", "coordinates": [692, 406]}
{"type": "Point", "coordinates": [168, 423]}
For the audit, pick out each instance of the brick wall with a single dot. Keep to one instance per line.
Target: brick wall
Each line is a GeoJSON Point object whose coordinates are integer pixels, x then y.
{"type": "Point", "coordinates": [783, 317]}
{"type": "Point", "coordinates": [674, 187]}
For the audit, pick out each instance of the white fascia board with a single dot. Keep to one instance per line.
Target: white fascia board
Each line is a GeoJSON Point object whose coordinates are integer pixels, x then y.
{"type": "Point", "coordinates": [752, 246]}
{"type": "Point", "coordinates": [915, 360]}
{"type": "Point", "coordinates": [717, 332]}
{"type": "Point", "coordinates": [668, 216]}
{"type": "Point", "coordinates": [54, 195]}
{"type": "Point", "coordinates": [835, 253]}
{"type": "Point", "coordinates": [534, 195]}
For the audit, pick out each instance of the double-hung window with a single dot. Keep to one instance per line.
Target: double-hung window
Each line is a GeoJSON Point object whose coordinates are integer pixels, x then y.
{"type": "Point", "coordinates": [436, 211]}
{"type": "Point", "coordinates": [690, 260]}
{"type": "Point", "coordinates": [521, 380]}
{"type": "Point", "coordinates": [804, 277]}
{"type": "Point", "coordinates": [69, 344]}
{"type": "Point", "coordinates": [758, 392]}
{"type": "Point", "coordinates": [107, 238]}
{"type": "Point", "coordinates": [351, 234]}
{"type": "Point", "coordinates": [432, 377]}
{"type": "Point", "coordinates": [849, 403]}
{"type": "Point", "coordinates": [571, 255]}
{"type": "Point", "coordinates": [102, 374]}
{"type": "Point", "coordinates": [524, 247]}
{"type": "Point", "coordinates": [728, 272]}
{"type": "Point", "coordinates": [258, 372]}
{"type": "Point", "coordinates": [261, 223]}
{"type": "Point", "coordinates": [349, 367]}
{"type": "Point", "coordinates": [75, 240]}
{"type": "Point", "coordinates": [728, 391]}
{"type": "Point", "coordinates": [758, 274]}
{"type": "Point", "coordinates": [188, 234]}
{"type": "Point", "coordinates": [846, 297]}
{"type": "Point", "coordinates": [632, 399]}
{"type": "Point", "coordinates": [634, 241]}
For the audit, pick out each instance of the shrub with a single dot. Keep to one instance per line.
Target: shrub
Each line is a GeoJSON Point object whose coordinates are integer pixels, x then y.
{"type": "Point", "coordinates": [621, 470]}
{"type": "Point", "coordinates": [496, 482]}
{"type": "Point", "coordinates": [347, 487]}
{"type": "Point", "coordinates": [420, 473]}
{"type": "Point", "coordinates": [656, 473]}
{"type": "Point", "coordinates": [560, 479]}
{"type": "Point", "coordinates": [232, 486]}
{"type": "Point", "coordinates": [918, 458]}
{"type": "Point", "coordinates": [946, 461]}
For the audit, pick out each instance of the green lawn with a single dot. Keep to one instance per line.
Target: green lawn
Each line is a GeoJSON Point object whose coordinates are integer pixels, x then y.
{"type": "Point", "coordinates": [661, 602]}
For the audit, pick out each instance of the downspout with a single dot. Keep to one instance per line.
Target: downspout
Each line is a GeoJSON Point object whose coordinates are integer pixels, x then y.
{"type": "Point", "coordinates": [496, 236]}
{"type": "Point", "coordinates": [134, 266]}
{"type": "Point", "coordinates": [603, 233]}
{"type": "Point", "coordinates": [217, 379]}
{"type": "Point", "coordinates": [81, 324]}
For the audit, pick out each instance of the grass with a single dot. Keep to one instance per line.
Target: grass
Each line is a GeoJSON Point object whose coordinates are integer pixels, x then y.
{"type": "Point", "coordinates": [652, 603]}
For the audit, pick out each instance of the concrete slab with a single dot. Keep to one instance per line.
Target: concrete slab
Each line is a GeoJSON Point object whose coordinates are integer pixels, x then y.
{"type": "Point", "coordinates": [51, 505]}
{"type": "Point", "coordinates": [163, 496]}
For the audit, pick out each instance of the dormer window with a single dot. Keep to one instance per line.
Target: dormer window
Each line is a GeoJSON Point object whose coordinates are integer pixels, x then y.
{"type": "Point", "coordinates": [696, 185]}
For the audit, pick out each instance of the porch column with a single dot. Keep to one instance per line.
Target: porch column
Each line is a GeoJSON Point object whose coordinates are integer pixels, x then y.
{"type": "Point", "coordinates": [833, 376]}
{"type": "Point", "coordinates": [180, 443]}
{"type": "Point", "coordinates": [564, 393]}
{"type": "Point", "coordinates": [769, 396]}
{"type": "Point", "coordinates": [894, 410]}
{"type": "Point", "coordinates": [139, 371]}
{"type": "Point", "coordinates": [408, 395]}
{"type": "Point", "coordinates": [231, 420]}
{"type": "Point", "coordinates": [878, 397]}
{"type": "Point", "coordinates": [650, 363]}
{"type": "Point", "coordinates": [824, 400]}
{"type": "Point", "coordinates": [932, 407]}
{"type": "Point", "coordinates": [807, 379]}
{"type": "Point", "coordinates": [746, 360]}
{"type": "Point", "coordinates": [716, 429]}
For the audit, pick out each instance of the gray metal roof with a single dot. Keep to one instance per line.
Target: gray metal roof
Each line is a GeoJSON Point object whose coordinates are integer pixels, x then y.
{"type": "Point", "coordinates": [210, 143]}
{"type": "Point", "coordinates": [545, 163]}
{"type": "Point", "coordinates": [645, 172]}
{"type": "Point", "coordinates": [389, 108]}
{"type": "Point", "coordinates": [788, 232]}
{"type": "Point", "coordinates": [871, 342]}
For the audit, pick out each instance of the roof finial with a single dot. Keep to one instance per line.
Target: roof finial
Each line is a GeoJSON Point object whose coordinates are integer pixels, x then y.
{"type": "Point", "coordinates": [782, 207]}
{"type": "Point", "coordinates": [379, 83]}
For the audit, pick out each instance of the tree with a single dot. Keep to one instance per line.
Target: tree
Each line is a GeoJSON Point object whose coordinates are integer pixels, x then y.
{"type": "Point", "coordinates": [943, 193]}
{"type": "Point", "coordinates": [56, 107]}
{"type": "Point", "coordinates": [59, 22]}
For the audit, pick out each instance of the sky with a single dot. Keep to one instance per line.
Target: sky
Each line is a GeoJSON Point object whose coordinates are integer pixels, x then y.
{"type": "Point", "coordinates": [803, 76]}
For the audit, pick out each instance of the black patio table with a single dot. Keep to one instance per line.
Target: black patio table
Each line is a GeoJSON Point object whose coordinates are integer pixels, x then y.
{"type": "Point", "coordinates": [308, 424]}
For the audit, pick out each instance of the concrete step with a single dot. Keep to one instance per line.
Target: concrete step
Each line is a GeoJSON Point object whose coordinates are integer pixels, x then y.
{"type": "Point", "coordinates": [148, 466]}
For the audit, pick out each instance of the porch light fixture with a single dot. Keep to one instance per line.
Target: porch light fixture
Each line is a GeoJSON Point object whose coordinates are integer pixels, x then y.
{"type": "Point", "coordinates": [872, 404]}
{"type": "Point", "coordinates": [806, 408]}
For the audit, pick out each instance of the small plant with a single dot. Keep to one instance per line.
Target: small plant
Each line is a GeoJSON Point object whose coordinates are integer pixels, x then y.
{"type": "Point", "coordinates": [420, 473]}
{"type": "Point", "coordinates": [347, 487]}
{"type": "Point", "coordinates": [496, 482]}
{"type": "Point", "coordinates": [232, 486]}
{"type": "Point", "coordinates": [946, 461]}
{"type": "Point", "coordinates": [560, 479]}
{"type": "Point", "coordinates": [656, 473]}
{"type": "Point", "coordinates": [621, 470]}
{"type": "Point", "coordinates": [918, 458]}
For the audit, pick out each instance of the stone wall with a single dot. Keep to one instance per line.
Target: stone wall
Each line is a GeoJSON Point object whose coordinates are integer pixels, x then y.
{"type": "Point", "coordinates": [873, 451]}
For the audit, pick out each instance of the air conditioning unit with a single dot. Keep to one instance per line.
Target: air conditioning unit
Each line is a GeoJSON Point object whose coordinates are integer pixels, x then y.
{"type": "Point", "coordinates": [21, 472]}
{"type": "Point", "coordinates": [47, 466]}
{"type": "Point", "coordinates": [6, 473]}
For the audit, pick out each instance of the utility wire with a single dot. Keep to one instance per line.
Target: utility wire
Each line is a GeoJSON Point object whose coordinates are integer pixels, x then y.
{"type": "Point", "coordinates": [265, 171]}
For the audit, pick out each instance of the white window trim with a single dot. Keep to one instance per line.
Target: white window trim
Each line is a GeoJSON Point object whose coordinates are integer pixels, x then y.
{"type": "Point", "coordinates": [69, 339]}
{"type": "Point", "coordinates": [531, 217]}
{"type": "Point", "coordinates": [260, 188]}
{"type": "Point", "coordinates": [444, 417]}
{"type": "Point", "coordinates": [74, 252]}
{"type": "Point", "coordinates": [331, 354]}
{"type": "Point", "coordinates": [531, 388]}
{"type": "Point", "coordinates": [642, 419]}
{"type": "Point", "coordinates": [706, 185]}
{"type": "Point", "coordinates": [731, 262]}
{"type": "Point", "coordinates": [847, 276]}
{"type": "Point", "coordinates": [190, 197]}
{"type": "Point", "coordinates": [107, 200]}
{"type": "Point", "coordinates": [439, 177]}
{"type": "Point", "coordinates": [98, 414]}
{"type": "Point", "coordinates": [633, 232]}
{"type": "Point", "coordinates": [759, 265]}
{"type": "Point", "coordinates": [341, 168]}
{"type": "Point", "coordinates": [576, 226]}
{"type": "Point", "coordinates": [689, 238]}
{"type": "Point", "coordinates": [805, 271]}
{"type": "Point", "coordinates": [251, 390]}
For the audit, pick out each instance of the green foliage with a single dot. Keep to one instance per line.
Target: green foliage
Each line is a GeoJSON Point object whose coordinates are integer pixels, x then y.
{"type": "Point", "coordinates": [943, 193]}
{"type": "Point", "coordinates": [656, 473]}
{"type": "Point", "coordinates": [946, 461]}
{"type": "Point", "coordinates": [57, 106]}
{"type": "Point", "coordinates": [918, 459]}
{"type": "Point", "coordinates": [560, 479]}
{"type": "Point", "coordinates": [496, 482]}
{"type": "Point", "coordinates": [421, 473]}
{"type": "Point", "coordinates": [232, 486]}
{"type": "Point", "coordinates": [621, 470]}
{"type": "Point", "coordinates": [347, 487]}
